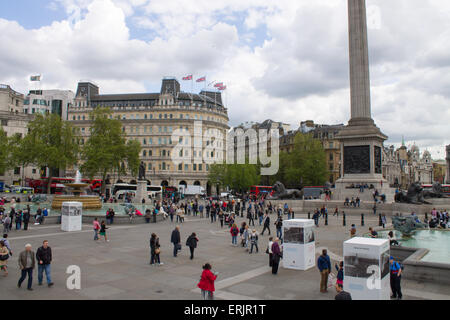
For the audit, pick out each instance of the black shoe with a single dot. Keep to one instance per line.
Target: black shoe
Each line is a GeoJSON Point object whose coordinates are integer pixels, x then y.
{"type": "Point", "coordinates": [50, 284]}
{"type": "Point", "coordinates": [30, 289]}
{"type": "Point", "coordinates": [18, 285]}
{"type": "Point", "coordinates": [393, 297]}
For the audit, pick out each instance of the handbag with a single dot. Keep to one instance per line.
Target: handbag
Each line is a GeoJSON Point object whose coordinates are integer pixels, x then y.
{"type": "Point", "coordinates": [157, 251]}
{"type": "Point", "coordinates": [4, 257]}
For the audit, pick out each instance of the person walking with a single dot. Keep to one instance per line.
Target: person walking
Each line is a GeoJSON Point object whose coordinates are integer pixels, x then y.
{"type": "Point", "coordinates": [44, 258]}
{"type": "Point", "coordinates": [155, 250]}
{"type": "Point", "coordinates": [266, 224]}
{"type": "Point", "coordinates": [254, 241]}
{"type": "Point", "coordinates": [4, 256]}
{"type": "Point", "coordinates": [103, 231]}
{"type": "Point", "coordinates": [176, 240]}
{"type": "Point", "coordinates": [221, 218]}
{"type": "Point", "coordinates": [279, 227]}
{"type": "Point", "coordinates": [26, 218]}
{"type": "Point", "coordinates": [6, 224]}
{"type": "Point", "coordinates": [206, 283]}
{"type": "Point", "coordinates": [324, 266]}
{"type": "Point", "coordinates": [27, 262]}
{"type": "Point", "coordinates": [191, 242]}
{"type": "Point", "coordinates": [234, 231]}
{"type": "Point", "coordinates": [396, 276]}
{"type": "Point", "coordinates": [245, 237]}
{"type": "Point", "coordinates": [96, 226]}
{"type": "Point", "coordinates": [276, 256]}
{"type": "Point", "coordinates": [269, 250]}
{"type": "Point", "coordinates": [7, 244]}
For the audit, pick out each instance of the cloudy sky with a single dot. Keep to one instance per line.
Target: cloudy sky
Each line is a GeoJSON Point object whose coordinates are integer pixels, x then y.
{"type": "Point", "coordinates": [285, 60]}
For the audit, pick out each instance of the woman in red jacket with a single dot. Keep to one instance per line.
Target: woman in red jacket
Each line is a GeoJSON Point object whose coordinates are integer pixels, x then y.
{"type": "Point", "coordinates": [206, 283]}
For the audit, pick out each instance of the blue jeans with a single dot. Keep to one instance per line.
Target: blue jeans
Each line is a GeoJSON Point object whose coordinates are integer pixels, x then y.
{"type": "Point", "coordinates": [95, 234]}
{"type": "Point", "coordinates": [18, 225]}
{"type": "Point", "coordinates": [279, 233]}
{"type": "Point", "coordinates": [260, 220]}
{"type": "Point", "coordinates": [234, 240]}
{"type": "Point", "coordinates": [25, 272]}
{"type": "Point", "coordinates": [47, 269]}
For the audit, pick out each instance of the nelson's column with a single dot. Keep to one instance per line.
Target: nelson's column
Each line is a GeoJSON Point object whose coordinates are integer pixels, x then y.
{"type": "Point", "coordinates": [361, 140]}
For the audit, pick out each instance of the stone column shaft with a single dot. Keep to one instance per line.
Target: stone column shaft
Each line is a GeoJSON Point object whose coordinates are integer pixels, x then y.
{"type": "Point", "coordinates": [359, 60]}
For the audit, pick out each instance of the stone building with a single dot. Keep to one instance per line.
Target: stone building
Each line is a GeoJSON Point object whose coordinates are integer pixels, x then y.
{"type": "Point", "coordinates": [155, 120]}
{"type": "Point", "coordinates": [49, 101]}
{"type": "Point", "coordinates": [14, 121]}
{"type": "Point", "coordinates": [327, 136]}
{"type": "Point", "coordinates": [402, 167]}
{"type": "Point", "coordinates": [447, 158]}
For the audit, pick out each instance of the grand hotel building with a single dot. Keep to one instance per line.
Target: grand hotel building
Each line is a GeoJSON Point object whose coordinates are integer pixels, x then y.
{"type": "Point", "coordinates": [151, 119]}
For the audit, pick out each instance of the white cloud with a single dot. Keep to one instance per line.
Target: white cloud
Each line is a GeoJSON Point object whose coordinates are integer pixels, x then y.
{"type": "Point", "coordinates": [299, 72]}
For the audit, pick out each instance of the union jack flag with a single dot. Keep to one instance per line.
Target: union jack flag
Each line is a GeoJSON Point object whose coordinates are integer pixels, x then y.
{"type": "Point", "coordinates": [222, 88]}
{"type": "Point", "coordinates": [218, 85]}
{"type": "Point", "coordinates": [189, 77]}
{"type": "Point", "coordinates": [202, 79]}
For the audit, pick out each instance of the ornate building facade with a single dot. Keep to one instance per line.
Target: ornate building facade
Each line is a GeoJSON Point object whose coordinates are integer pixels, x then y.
{"type": "Point", "coordinates": [199, 121]}
{"type": "Point", "coordinates": [447, 158]}
{"type": "Point", "coordinates": [14, 121]}
{"type": "Point", "coordinates": [402, 167]}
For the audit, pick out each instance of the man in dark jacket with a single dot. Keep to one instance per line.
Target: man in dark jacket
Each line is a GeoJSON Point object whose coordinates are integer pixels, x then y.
{"type": "Point", "coordinates": [27, 262]}
{"type": "Point", "coordinates": [342, 295]}
{"type": "Point", "coordinates": [176, 240]}
{"type": "Point", "coordinates": [191, 242]}
{"type": "Point", "coordinates": [324, 266]}
{"type": "Point", "coordinates": [44, 258]}
{"type": "Point", "coordinates": [266, 224]}
{"type": "Point", "coordinates": [26, 218]}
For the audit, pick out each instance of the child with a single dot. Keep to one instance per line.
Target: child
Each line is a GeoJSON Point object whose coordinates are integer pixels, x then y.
{"type": "Point", "coordinates": [340, 274]}
{"type": "Point", "coordinates": [103, 230]}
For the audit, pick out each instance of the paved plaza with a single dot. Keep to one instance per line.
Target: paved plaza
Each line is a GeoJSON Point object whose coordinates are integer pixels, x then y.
{"type": "Point", "coordinates": [120, 268]}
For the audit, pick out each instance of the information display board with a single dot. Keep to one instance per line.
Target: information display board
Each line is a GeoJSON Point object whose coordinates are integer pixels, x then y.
{"type": "Point", "coordinates": [366, 268]}
{"type": "Point", "coordinates": [298, 244]}
{"type": "Point", "coordinates": [71, 216]}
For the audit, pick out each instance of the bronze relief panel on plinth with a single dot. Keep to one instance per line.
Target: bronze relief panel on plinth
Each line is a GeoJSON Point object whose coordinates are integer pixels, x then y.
{"type": "Point", "coordinates": [356, 159]}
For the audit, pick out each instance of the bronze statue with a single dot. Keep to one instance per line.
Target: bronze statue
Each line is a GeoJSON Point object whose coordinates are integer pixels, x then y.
{"type": "Point", "coordinates": [415, 195]}
{"type": "Point", "coordinates": [406, 225]}
{"type": "Point", "coordinates": [142, 171]}
{"type": "Point", "coordinates": [281, 193]}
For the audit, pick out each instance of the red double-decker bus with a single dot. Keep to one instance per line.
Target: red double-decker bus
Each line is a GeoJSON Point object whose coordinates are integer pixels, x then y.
{"type": "Point", "coordinates": [257, 191]}
{"type": "Point", "coordinates": [57, 185]}
{"type": "Point", "coordinates": [445, 188]}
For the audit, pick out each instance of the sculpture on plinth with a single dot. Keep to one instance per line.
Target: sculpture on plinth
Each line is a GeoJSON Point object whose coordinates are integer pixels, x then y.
{"type": "Point", "coordinates": [406, 225]}
{"type": "Point", "coordinates": [142, 171]}
{"type": "Point", "coordinates": [281, 193]}
{"type": "Point", "coordinates": [415, 195]}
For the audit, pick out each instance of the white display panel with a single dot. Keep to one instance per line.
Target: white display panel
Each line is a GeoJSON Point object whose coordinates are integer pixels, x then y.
{"type": "Point", "coordinates": [71, 216]}
{"type": "Point", "coordinates": [298, 244]}
{"type": "Point", "coordinates": [366, 268]}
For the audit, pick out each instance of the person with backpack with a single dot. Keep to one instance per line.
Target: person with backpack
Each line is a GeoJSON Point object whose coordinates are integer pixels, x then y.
{"type": "Point", "coordinates": [234, 233]}
{"type": "Point", "coordinates": [396, 270]}
{"type": "Point", "coordinates": [254, 241]}
{"type": "Point", "coordinates": [324, 266]}
{"type": "Point", "coordinates": [191, 242]}
{"type": "Point", "coordinates": [4, 256]}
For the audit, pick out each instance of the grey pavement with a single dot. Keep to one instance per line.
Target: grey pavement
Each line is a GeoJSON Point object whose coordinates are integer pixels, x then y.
{"type": "Point", "coordinates": [120, 269]}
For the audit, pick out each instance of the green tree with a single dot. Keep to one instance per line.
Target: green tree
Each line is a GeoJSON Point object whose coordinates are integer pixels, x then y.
{"type": "Point", "coordinates": [238, 177]}
{"type": "Point", "coordinates": [18, 155]}
{"type": "Point", "coordinates": [4, 151]}
{"type": "Point", "coordinates": [106, 149]}
{"type": "Point", "coordinates": [305, 164]}
{"type": "Point", "coordinates": [49, 143]}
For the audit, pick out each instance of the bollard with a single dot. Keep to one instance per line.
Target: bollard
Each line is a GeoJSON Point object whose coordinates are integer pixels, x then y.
{"type": "Point", "coordinates": [343, 219]}
{"type": "Point", "coordinates": [362, 219]}
{"type": "Point", "coordinates": [326, 219]}
{"type": "Point", "coordinates": [380, 221]}
{"type": "Point", "coordinates": [309, 215]}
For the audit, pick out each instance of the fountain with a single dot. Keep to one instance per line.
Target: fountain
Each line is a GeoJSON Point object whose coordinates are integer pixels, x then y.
{"type": "Point", "coordinates": [77, 188]}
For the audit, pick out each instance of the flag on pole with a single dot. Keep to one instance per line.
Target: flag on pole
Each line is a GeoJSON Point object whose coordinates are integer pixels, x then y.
{"type": "Point", "coordinates": [218, 85]}
{"type": "Point", "coordinates": [189, 77]}
{"type": "Point", "coordinates": [202, 79]}
{"type": "Point", "coordinates": [222, 88]}
{"type": "Point", "coordinates": [35, 78]}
